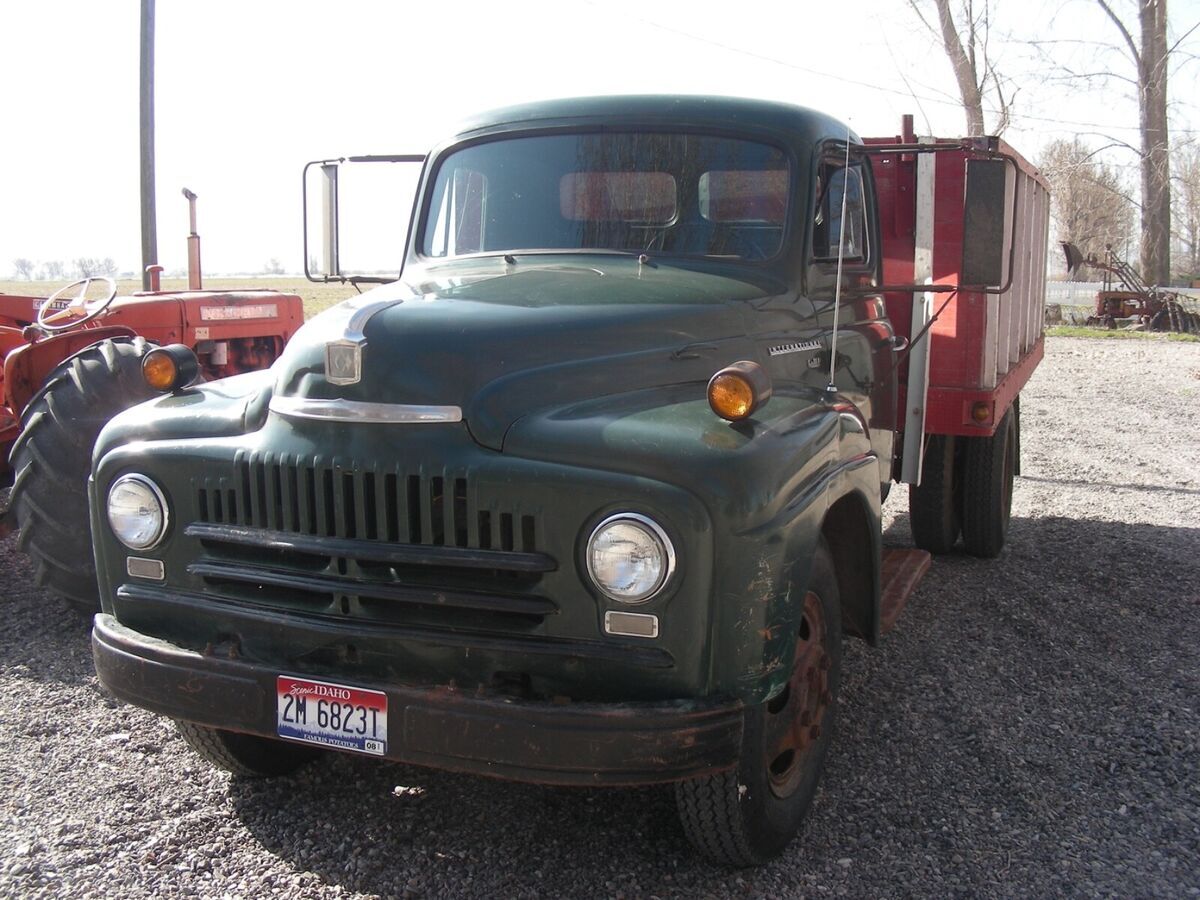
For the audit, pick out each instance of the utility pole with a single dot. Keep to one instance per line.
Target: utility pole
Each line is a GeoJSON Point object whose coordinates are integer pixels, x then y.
{"type": "Point", "coordinates": [149, 222]}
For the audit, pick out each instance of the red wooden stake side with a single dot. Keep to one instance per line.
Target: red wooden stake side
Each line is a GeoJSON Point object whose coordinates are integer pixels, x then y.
{"type": "Point", "coordinates": [983, 347]}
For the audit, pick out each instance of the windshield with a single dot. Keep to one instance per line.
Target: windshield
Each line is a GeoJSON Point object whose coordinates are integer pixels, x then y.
{"type": "Point", "coordinates": [659, 193]}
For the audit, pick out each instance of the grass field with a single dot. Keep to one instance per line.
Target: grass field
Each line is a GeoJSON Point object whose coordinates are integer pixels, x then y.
{"type": "Point", "coordinates": [1119, 334]}
{"type": "Point", "coordinates": [316, 297]}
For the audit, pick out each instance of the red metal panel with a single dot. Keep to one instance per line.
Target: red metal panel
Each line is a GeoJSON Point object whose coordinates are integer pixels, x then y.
{"type": "Point", "coordinates": [960, 337]}
{"type": "Point", "coordinates": [950, 408]}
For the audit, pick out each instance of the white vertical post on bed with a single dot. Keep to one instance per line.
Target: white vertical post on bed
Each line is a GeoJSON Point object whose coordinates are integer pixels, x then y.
{"type": "Point", "coordinates": [922, 312]}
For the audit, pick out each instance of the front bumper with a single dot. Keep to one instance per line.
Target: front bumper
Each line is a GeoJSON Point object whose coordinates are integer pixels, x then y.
{"type": "Point", "coordinates": [442, 726]}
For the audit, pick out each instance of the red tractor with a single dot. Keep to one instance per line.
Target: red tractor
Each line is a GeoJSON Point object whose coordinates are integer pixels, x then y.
{"type": "Point", "coordinates": [1126, 297]}
{"type": "Point", "coordinates": [73, 362]}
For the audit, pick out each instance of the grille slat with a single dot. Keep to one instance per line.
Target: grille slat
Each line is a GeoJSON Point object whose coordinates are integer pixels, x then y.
{"type": "Point", "coordinates": [324, 584]}
{"type": "Point", "coordinates": [340, 498]}
{"type": "Point", "coordinates": [428, 547]}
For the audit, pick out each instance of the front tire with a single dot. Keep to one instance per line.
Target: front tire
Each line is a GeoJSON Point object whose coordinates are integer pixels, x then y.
{"type": "Point", "coordinates": [52, 458]}
{"type": "Point", "coordinates": [747, 816]}
{"type": "Point", "coordinates": [244, 754]}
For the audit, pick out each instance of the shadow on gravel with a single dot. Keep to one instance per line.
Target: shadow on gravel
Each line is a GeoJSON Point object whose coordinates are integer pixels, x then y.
{"type": "Point", "coordinates": [391, 829]}
{"type": "Point", "coordinates": [1031, 720]}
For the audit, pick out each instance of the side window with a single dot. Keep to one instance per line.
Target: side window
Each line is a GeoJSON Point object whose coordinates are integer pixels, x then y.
{"type": "Point", "coordinates": [836, 184]}
{"type": "Point", "coordinates": [458, 216]}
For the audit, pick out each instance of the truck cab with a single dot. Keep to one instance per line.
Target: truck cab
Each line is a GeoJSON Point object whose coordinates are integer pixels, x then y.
{"type": "Point", "coordinates": [590, 494]}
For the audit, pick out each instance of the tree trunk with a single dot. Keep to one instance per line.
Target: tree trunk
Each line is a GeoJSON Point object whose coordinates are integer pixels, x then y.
{"type": "Point", "coordinates": [964, 66]}
{"type": "Point", "coordinates": [1156, 169]}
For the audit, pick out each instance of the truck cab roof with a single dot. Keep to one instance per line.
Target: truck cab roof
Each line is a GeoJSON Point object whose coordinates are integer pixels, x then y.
{"type": "Point", "coordinates": [793, 124]}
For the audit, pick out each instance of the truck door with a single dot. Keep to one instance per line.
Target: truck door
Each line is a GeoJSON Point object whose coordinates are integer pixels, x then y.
{"type": "Point", "coordinates": [864, 371]}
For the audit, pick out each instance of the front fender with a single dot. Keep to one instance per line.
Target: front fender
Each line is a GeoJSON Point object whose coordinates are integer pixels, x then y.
{"type": "Point", "coordinates": [766, 482]}
{"type": "Point", "coordinates": [216, 409]}
{"type": "Point", "coordinates": [748, 473]}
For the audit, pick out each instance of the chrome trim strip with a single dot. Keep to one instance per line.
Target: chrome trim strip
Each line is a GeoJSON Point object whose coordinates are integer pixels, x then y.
{"type": "Point", "coordinates": [339, 410]}
{"type": "Point", "coordinates": [627, 624]}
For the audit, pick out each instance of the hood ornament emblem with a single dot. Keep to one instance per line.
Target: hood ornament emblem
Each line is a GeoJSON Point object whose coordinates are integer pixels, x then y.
{"type": "Point", "coordinates": [343, 357]}
{"type": "Point", "coordinates": [343, 361]}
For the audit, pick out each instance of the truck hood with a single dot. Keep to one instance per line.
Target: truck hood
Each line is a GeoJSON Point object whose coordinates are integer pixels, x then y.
{"type": "Point", "coordinates": [503, 341]}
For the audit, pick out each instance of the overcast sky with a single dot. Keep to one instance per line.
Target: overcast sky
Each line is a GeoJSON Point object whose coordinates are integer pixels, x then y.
{"type": "Point", "coordinates": [247, 92]}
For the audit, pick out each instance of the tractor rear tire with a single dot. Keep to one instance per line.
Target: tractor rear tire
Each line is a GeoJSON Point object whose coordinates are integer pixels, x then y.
{"type": "Point", "coordinates": [934, 505]}
{"type": "Point", "coordinates": [989, 464]}
{"type": "Point", "coordinates": [247, 755]}
{"type": "Point", "coordinates": [52, 458]}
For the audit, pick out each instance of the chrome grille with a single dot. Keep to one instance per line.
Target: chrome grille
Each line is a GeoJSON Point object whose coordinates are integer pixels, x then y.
{"type": "Point", "coordinates": [345, 499]}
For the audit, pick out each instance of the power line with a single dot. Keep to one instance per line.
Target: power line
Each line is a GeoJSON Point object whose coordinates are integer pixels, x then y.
{"type": "Point", "coordinates": [908, 94]}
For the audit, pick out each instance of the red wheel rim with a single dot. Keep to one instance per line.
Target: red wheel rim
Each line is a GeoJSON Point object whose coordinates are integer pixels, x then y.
{"type": "Point", "coordinates": [795, 716]}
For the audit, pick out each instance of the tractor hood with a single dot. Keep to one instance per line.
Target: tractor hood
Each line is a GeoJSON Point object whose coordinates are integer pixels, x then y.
{"type": "Point", "coordinates": [500, 341]}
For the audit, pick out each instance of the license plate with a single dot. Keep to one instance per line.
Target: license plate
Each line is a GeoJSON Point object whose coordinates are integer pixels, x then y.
{"type": "Point", "coordinates": [332, 715]}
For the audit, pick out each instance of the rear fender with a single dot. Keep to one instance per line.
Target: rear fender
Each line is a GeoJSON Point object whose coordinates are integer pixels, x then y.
{"type": "Point", "coordinates": [26, 367]}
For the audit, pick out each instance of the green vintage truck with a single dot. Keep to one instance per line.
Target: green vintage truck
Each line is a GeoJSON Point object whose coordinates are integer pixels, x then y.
{"type": "Point", "coordinates": [590, 494]}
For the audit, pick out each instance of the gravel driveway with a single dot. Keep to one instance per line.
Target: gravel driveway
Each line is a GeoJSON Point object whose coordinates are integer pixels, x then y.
{"type": "Point", "coordinates": [1031, 727]}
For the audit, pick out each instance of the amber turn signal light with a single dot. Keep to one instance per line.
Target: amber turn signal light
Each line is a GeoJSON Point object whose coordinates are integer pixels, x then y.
{"type": "Point", "coordinates": [170, 368]}
{"type": "Point", "coordinates": [736, 391]}
{"type": "Point", "coordinates": [981, 412]}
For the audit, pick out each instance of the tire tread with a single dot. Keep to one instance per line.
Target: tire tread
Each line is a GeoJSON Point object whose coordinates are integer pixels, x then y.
{"type": "Point", "coordinates": [933, 506]}
{"type": "Point", "coordinates": [51, 460]}
{"type": "Point", "coordinates": [985, 526]}
{"type": "Point", "coordinates": [241, 754]}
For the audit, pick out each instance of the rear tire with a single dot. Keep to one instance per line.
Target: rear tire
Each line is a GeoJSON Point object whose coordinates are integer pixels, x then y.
{"type": "Point", "coordinates": [934, 505]}
{"type": "Point", "coordinates": [746, 816]}
{"type": "Point", "coordinates": [244, 754]}
{"type": "Point", "coordinates": [988, 467]}
{"type": "Point", "coordinates": [52, 458]}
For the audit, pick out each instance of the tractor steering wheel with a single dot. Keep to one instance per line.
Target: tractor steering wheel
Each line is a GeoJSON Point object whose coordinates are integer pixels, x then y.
{"type": "Point", "coordinates": [78, 310]}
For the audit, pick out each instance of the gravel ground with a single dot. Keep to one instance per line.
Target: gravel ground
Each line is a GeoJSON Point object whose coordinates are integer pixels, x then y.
{"type": "Point", "coordinates": [1031, 727]}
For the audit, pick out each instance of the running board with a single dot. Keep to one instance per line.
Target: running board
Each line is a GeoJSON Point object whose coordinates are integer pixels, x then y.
{"type": "Point", "coordinates": [902, 571]}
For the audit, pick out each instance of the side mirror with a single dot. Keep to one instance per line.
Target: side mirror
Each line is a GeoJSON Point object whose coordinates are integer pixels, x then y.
{"type": "Point", "coordinates": [987, 223]}
{"type": "Point", "coordinates": [368, 203]}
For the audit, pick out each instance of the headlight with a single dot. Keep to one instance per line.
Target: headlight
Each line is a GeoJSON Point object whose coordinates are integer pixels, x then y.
{"type": "Point", "coordinates": [630, 557]}
{"type": "Point", "coordinates": [137, 512]}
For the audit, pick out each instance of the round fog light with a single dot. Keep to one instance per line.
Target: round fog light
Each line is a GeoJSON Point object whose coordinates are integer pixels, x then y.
{"type": "Point", "coordinates": [137, 512]}
{"type": "Point", "coordinates": [630, 557]}
{"type": "Point", "coordinates": [170, 368]}
{"type": "Point", "coordinates": [735, 392]}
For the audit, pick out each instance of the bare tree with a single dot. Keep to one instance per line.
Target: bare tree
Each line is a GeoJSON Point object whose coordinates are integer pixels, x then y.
{"type": "Point", "coordinates": [1150, 56]}
{"type": "Point", "coordinates": [1092, 208]}
{"type": "Point", "coordinates": [1187, 209]}
{"type": "Point", "coordinates": [1142, 46]}
{"type": "Point", "coordinates": [964, 31]}
{"type": "Point", "coordinates": [52, 270]}
{"type": "Point", "coordinates": [86, 266]}
{"type": "Point", "coordinates": [23, 268]}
